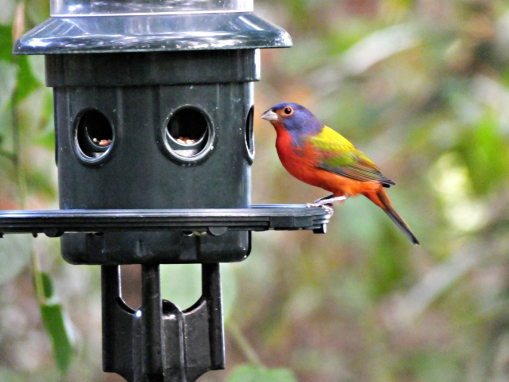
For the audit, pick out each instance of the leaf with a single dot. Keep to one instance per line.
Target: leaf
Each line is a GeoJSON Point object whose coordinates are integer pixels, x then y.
{"type": "Point", "coordinates": [15, 251]}
{"type": "Point", "coordinates": [46, 138]}
{"type": "Point", "coordinates": [253, 373]}
{"type": "Point", "coordinates": [7, 82]}
{"type": "Point", "coordinates": [481, 150]}
{"type": "Point", "coordinates": [27, 82]}
{"type": "Point", "coordinates": [5, 42]}
{"type": "Point", "coordinates": [47, 285]}
{"type": "Point", "coordinates": [36, 63]}
{"type": "Point", "coordinates": [59, 329]}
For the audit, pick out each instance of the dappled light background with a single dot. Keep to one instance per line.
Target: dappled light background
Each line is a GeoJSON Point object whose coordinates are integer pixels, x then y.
{"type": "Point", "coordinates": [422, 87]}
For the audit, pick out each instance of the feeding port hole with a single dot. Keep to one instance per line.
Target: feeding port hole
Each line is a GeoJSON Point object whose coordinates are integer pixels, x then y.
{"type": "Point", "coordinates": [94, 135]}
{"type": "Point", "coordinates": [249, 137]}
{"type": "Point", "coordinates": [188, 133]}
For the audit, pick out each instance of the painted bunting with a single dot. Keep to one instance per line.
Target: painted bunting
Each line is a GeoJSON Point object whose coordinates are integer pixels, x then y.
{"type": "Point", "coordinates": [318, 155]}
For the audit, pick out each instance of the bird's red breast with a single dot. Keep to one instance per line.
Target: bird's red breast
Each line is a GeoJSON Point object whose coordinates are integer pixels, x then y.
{"type": "Point", "coordinates": [302, 162]}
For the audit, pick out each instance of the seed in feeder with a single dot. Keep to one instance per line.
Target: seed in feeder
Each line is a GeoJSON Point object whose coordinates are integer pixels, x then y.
{"type": "Point", "coordinates": [185, 140]}
{"type": "Point", "coordinates": [95, 140]}
{"type": "Point", "coordinates": [104, 142]}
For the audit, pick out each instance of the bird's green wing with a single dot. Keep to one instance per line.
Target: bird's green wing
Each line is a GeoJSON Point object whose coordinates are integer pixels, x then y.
{"type": "Point", "coordinates": [341, 157]}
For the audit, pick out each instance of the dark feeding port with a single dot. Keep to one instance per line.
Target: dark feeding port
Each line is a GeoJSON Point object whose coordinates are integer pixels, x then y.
{"type": "Point", "coordinates": [249, 136]}
{"type": "Point", "coordinates": [189, 134]}
{"type": "Point", "coordinates": [94, 135]}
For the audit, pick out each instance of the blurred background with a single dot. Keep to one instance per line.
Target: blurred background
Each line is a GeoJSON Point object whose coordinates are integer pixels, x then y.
{"type": "Point", "coordinates": [422, 87]}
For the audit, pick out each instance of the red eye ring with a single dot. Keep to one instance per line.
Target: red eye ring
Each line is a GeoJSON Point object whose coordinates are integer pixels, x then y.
{"type": "Point", "coordinates": [287, 111]}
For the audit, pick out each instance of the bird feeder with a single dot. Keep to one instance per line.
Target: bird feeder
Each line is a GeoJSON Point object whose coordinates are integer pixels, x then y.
{"type": "Point", "coordinates": [153, 106]}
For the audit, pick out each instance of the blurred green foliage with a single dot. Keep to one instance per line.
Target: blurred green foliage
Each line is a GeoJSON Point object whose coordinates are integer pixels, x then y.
{"type": "Point", "coordinates": [249, 373]}
{"type": "Point", "coordinates": [422, 87]}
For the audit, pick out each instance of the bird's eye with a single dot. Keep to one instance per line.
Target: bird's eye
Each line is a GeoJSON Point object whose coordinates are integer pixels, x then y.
{"type": "Point", "coordinates": [288, 111]}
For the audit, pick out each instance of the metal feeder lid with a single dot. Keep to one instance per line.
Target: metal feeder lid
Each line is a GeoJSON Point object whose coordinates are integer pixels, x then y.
{"type": "Point", "coordinates": [102, 26]}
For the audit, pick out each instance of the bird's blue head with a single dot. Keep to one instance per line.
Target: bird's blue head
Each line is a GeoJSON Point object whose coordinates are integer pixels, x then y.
{"type": "Point", "coordinates": [295, 118]}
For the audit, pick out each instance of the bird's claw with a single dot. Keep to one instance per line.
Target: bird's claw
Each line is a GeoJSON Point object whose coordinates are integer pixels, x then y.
{"type": "Point", "coordinates": [328, 200]}
{"type": "Point", "coordinates": [326, 203]}
{"type": "Point", "coordinates": [326, 206]}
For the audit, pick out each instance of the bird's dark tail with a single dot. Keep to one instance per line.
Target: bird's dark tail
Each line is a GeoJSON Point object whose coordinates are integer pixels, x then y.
{"type": "Point", "coordinates": [384, 202]}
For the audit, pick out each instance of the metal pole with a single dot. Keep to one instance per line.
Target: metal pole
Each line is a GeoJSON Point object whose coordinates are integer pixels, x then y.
{"type": "Point", "coordinates": [151, 308]}
{"type": "Point", "coordinates": [211, 291]}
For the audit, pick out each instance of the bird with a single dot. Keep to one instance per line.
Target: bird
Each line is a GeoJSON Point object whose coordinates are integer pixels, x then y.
{"type": "Point", "coordinates": [320, 156]}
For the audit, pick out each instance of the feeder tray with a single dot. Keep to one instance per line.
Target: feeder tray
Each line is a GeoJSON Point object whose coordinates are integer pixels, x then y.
{"type": "Point", "coordinates": [215, 222]}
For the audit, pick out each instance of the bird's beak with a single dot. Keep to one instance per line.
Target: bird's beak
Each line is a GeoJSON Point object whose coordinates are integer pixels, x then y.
{"type": "Point", "coordinates": [269, 115]}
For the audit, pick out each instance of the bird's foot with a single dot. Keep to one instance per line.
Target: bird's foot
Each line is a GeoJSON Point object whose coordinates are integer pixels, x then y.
{"type": "Point", "coordinates": [328, 200]}
{"type": "Point", "coordinates": [326, 203]}
{"type": "Point", "coordinates": [326, 206]}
